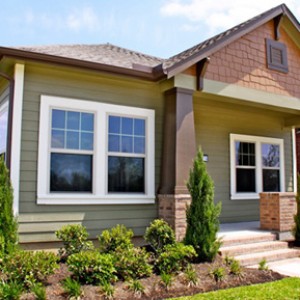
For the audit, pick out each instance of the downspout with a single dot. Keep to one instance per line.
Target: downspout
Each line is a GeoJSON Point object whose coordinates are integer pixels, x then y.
{"type": "Point", "coordinates": [10, 118]}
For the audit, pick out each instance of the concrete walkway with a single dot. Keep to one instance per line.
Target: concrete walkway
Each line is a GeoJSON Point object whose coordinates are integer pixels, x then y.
{"type": "Point", "coordinates": [288, 267]}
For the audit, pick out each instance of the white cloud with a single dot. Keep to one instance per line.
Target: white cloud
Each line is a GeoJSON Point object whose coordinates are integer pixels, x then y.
{"type": "Point", "coordinates": [83, 19]}
{"type": "Point", "coordinates": [221, 15]}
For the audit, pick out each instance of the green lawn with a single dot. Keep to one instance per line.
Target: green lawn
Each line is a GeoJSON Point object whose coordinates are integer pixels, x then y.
{"type": "Point", "coordinates": [285, 289]}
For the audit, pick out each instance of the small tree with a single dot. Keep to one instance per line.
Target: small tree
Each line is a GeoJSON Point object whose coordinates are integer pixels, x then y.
{"type": "Point", "coordinates": [202, 214]}
{"type": "Point", "coordinates": [8, 224]}
{"type": "Point", "coordinates": [296, 229]}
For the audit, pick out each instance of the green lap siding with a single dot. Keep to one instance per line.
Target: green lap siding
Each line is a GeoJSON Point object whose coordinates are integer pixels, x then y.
{"type": "Point", "coordinates": [38, 222]}
{"type": "Point", "coordinates": [214, 122]}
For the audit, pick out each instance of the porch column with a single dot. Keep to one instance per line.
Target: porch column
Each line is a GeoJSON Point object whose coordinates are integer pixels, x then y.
{"type": "Point", "coordinates": [179, 149]}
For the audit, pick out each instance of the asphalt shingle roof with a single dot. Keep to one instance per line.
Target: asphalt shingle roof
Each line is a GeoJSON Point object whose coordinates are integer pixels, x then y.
{"type": "Point", "coordinates": [103, 53]}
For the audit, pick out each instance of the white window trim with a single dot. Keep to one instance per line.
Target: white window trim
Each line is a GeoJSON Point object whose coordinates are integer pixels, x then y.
{"type": "Point", "coordinates": [3, 110]}
{"type": "Point", "coordinates": [258, 140]}
{"type": "Point", "coordinates": [99, 194]}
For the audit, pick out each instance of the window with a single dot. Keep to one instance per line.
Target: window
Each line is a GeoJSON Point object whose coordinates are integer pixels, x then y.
{"type": "Point", "coordinates": [3, 127]}
{"type": "Point", "coordinates": [71, 157]}
{"type": "Point", "coordinates": [95, 153]}
{"type": "Point", "coordinates": [126, 154]}
{"type": "Point", "coordinates": [257, 165]}
{"type": "Point", "coordinates": [277, 56]}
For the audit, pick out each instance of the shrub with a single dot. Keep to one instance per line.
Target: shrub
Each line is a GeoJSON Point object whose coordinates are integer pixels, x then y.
{"type": "Point", "coordinates": [159, 234]}
{"type": "Point", "coordinates": [235, 268]}
{"type": "Point", "coordinates": [39, 291]}
{"type": "Point", "coordinates": [27, 267]}
{"type": "Point", "coordinates": [137, 287]}
{"type": "Point", "coordinates": [72, 288]}
{"type": "Point", "coordinates": [91, 267]}
{"type": "Point", "coordinates": [108, 290]}
{"type": "Point", "coordinates": [132, 263]}
{"type": "Point", "coordinates": [218, 274]}
{"type": "Point", "coordinates": [10, 291]}
{"type": "Point", "coordinates": [296, 229]}
{"type": "Point", "coordinates": [202, 214]}
{"type": "Point", "coordinates": [175, 258]}
{"type": "Point", "coordinates": [117, 237]}
{"type": "Point", "coordinates": [191, 275]}
{"type": "Point", "coordinates": [8, 224]}
{"type": "Point", "coordinates": [74, 238]}
{"type": "Point", "coordinates": [262, 265]}
{"type": "Point", "coordinates": [166, 279]}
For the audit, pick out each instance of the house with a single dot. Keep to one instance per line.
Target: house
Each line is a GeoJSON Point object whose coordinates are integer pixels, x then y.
{"type": "Point", "coordinates": [101, 135]}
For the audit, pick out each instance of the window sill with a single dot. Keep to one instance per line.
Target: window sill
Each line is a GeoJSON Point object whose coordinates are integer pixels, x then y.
{"type": "Point", "coordinates": [245, 197]}
{"type": "Point", "coordinates": [60, 199]}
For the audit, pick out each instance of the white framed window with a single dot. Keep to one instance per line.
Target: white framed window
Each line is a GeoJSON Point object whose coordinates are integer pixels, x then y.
{"type": "Point", "coordinates": [95, 153]}
{"type": "Point", "coordinates": [256, 165]}
{"type": "Point", "coordinates": [3, 126]}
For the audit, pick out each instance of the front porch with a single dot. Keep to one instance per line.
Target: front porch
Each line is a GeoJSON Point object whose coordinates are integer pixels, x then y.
{"type": "Point", "coordinates": [249, 244]}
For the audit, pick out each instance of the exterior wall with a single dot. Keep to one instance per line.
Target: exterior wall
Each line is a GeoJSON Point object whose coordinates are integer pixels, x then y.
{"type": "Point", "coordinates": [243, 62]}
{"type": "Point", "coordinates": [214, 121]}
{"type": "Point", "coordinates": [38, 222]}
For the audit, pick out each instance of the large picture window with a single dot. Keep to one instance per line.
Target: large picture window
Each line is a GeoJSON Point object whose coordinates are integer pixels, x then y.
{"type": "Point", "coordinates": [95, 153]}
{"type": "Point", "coordinates": [257, 165]}
{"type": "Point", "coordinates": [3, 127]}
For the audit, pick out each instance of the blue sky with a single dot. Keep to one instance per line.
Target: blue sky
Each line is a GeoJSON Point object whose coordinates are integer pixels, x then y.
{"type": "Point", "coordinates": [158, 27]}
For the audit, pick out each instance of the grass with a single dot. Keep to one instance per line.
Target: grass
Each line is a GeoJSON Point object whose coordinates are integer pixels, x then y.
{"type": "Point", "coordinates": [287, 289]}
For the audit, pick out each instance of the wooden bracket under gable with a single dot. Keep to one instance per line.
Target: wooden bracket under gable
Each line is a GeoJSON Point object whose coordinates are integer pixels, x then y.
{"type": "Point", "coordinates": [201, 67]}
{"type": "Point", "coordinates": [277, 23]}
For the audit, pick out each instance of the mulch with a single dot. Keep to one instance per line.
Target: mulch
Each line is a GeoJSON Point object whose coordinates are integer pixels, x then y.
{"type": "Point", "coordinates": [155, 290]}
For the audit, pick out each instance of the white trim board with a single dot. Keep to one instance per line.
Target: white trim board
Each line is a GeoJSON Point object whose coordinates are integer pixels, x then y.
{"type": "Point", "coordinates": [99, 194]}
{"type": "Point", "coordinates": [16, 133]}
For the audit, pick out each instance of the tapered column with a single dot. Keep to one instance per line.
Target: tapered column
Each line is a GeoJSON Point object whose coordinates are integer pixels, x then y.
{"type": "Point", "coordinates": [179, 149]}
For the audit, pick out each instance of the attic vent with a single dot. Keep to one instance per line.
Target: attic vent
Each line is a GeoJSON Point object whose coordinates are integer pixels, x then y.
{"type": "Point", "coordinates": [277, 56]}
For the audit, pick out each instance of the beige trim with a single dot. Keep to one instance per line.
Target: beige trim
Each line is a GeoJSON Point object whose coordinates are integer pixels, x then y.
{"type": "Point", "coordinates": [250, 95]}
{"type": "Point", "coordinates": [16, 133]}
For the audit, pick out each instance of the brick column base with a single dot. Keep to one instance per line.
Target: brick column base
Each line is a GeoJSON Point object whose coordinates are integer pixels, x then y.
{"type": "Point", "coordinates": [277, 211]}
{"type": "Point", "coordinates": [172, 208]}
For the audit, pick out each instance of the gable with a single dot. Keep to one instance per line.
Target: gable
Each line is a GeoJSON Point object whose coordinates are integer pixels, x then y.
{"type": "Point", "coordinates": [244, 63]}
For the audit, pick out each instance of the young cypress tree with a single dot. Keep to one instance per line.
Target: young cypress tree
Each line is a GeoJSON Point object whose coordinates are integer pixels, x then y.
{"type": "Point", "coordinates": [8, 224]}
{"type": "Point", "coordinates": [296, 229]}
{"type": "Point", "coordinates": [202, 214]}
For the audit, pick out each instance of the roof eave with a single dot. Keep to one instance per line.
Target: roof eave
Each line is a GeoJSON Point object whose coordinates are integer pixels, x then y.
{"type": "Point", "coordinates": [154, 74]}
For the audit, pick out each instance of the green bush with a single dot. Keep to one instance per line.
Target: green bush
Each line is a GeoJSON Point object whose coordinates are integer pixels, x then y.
{"type": "Point", "coordinates": [218, 274]}
{"type": "Point", "coordinates": [74, 238]}
{"type": "Point", "coordinates": [8, 224]}
{"type": "Point", "coordinates": [27, 268]}
{"type": "Point", "coordinates": [91, 267]}
{"type": "Point", "coordinates": [10, 291]}
{"type": "Point", "coordinates": [159, 234]}
{"type": "Point", "coordinates": [39, 291]}
{"type": "Point", "coordinates": [175, 258]}
{"type": "Point", "coordinates": [202, 215]}
{"type": "Point", "coordinates": [72, 288]}
{"type": "Point", "coordinates": [117, 237]}
{"type": "Point", "coordinates": [132, 263]}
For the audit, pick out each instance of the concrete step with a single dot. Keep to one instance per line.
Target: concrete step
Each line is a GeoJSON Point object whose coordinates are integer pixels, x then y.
{"type": "Point", "coordinates": [235, 250]}
{"type": "Point", "coordinates": [231, 240]}
{"type": "Point", "coordinates": [273, 255]}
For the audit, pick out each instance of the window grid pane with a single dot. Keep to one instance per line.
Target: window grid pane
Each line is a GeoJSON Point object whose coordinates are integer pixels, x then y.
{"type": "Point", "coordinates": [3, 130]}
{"type": "Point", "coordinates": [72, 130]}
{"type": "Point", "coordinates": [128, 132]}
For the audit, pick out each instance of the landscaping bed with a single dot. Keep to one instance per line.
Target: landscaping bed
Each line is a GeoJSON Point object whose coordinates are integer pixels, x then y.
{"type": "Point", "coordinates": [154, 289]}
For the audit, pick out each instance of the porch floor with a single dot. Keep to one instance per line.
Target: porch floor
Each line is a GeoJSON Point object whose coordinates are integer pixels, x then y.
{"type": "Point", "coordinates": [239, 229]}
